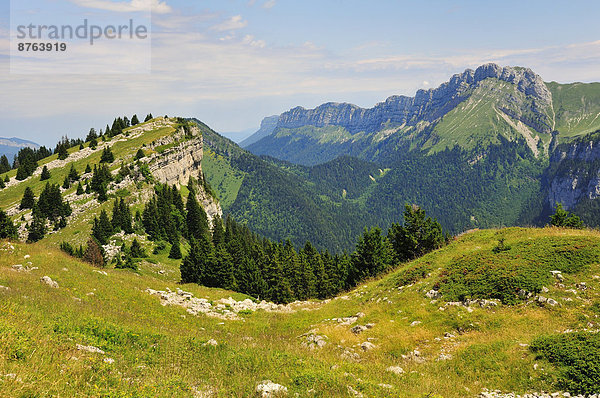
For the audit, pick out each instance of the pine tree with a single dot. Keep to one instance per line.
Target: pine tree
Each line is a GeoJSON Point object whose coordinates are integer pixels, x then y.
{"type": "Point", "coordinates": [80, 190]}
{"type": "Point", "coordinates": [22, 173]}
{"type": "Point", "coordinates": [4, 164]}
{"type": "Point", "coordinates": [7, 228]}
{"type": "Point", "coordinates": [73, 175]}
{"type": "Point", "coordinates": [249, 279]}
{"type": "Point", "coordinates": [102, 229]}
{"type": "Point", "coordinates": [126, 223]}
{"type": "Point", "coordinates": [175, 252]}
{"type": "Point", "coordinates": [190, 268]}
{"type": "Point", "coordinates": [419, 234]}
{"type": "Point", "coordinates": [373, 255]}
{"type": "Point", "coordinates": [134, 120]}
{"type": "Point", "coordinates": [62, 152]}
{"type": "Point", "coordinates": [37, 227]}
{"type": "Point", "coordinates": [45, 174]}
{"type": "Point", "coordinates": [218, 233]}
{"type": "Point", "coordinates": [6, 179]}
{"type": "Point", "coordinates": [224, 268]}
{"type": "Point", "coordinates": [148, 118]}
{"type": "Point", "coordinates": [136, 249]}
{"type": "Point", "coordinates": [2, 184]}
{"type": "Point", "coordinates": [88, 169]}
{"type": "Point", "coordinates": [107, 156]}
{"type": "Point", "coordinates": [564, 219]}
{"type": "Point", "coordinates": [28, 199]}
{"type": "Point", "coordinates": [66, 183]}
{"type": "Point", "coordinates": [197, 222]}
{"type": "Point", "coordinates": [139, 154]}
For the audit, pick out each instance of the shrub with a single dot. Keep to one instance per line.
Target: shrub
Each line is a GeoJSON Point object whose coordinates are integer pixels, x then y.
{"type": "Point", "coordinates": [577, 357]}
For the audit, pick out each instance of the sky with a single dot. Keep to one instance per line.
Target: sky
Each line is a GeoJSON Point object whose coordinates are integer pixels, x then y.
{"type": "Point", "coordinates": [230, 63]}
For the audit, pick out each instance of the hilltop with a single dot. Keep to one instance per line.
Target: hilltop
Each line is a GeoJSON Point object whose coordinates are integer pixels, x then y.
{"type": "Point", "coordinates": [102, 332]}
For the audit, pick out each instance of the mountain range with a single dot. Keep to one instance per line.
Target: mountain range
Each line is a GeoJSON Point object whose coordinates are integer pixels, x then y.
{"type": "Point", "coordinates": [10, 146]}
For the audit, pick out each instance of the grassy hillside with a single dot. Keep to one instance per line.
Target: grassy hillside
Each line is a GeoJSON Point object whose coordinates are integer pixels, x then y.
{"type": "Point", "coordinates": [577, 107]}
{"type": "Point", "coordinates": [155, 350]}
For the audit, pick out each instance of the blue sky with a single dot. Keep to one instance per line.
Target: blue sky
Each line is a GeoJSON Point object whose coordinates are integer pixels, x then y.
{"type": "Point", "coordinates": [232, 62]}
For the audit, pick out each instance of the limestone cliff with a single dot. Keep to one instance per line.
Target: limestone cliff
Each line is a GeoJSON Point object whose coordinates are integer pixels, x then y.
{"type": "Point", "coordinates": [179, 157]}
{"type": "Point", "coordinates": [574, 172]}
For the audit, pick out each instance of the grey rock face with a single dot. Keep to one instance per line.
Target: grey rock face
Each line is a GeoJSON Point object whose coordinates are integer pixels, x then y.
{"type": "Point", "coordinates": [267, 126]}
{"type": "Point", "coordinates": [426, 105]}
{"type": "Point", "coordinates": [574, 179]}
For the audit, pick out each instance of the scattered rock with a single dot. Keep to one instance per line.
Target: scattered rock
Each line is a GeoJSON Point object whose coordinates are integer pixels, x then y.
{"type": "Point", "coordinates": [386, 386]}
{"type": "Point", "coordinates": [350, 355]}
{"type": "Point", "coordinates": [414, 356]}
{"type": "Point", "coordinates": [101, 272]}
{"type": "Point", "coordinates": [558, 275]}
{"type": "Point", "coordinates": [395, 369]}
{"type": "Point", "coordinates": [211, 342]}
{"type": "Point", "coordinates": [444, 357]}
{"type": "Point", "coordinates": [433, 294]}
{"type": "Point", "coordinates": [48, 281]}
{"type": "Point", "coordinates": [581, 286]}
{"type": "Point", "coordinates": [89, 348]}
{"type": "Point", "coordinates": [545, 289]}
{"type": "Point", "coordinates": [313, 340]}
{"type": "Point", "coordinates": [268, 389]}
{"type": "Point", "coordinates": [5, 288]}
{"type": "Point", "coordinates": [367, 346]}
{"type": "Point", "coordinates": [358, 329]}
{"type": "Point", "coordinates": [109, 360]}
{"type": "Point", "coordinates": [415, 323]}
{"type": "Point", "coordinates": [355, 393]}
{"type": "Point", "coordinates": [26, 256]}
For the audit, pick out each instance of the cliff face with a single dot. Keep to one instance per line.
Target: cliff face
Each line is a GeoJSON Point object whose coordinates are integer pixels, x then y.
{"type": "Point", "coordinates": [267, 126]}
{"type": "Point", "coordinates": [430, 105]}
{"type": "Point", "coordinates": [574, 172]}
{"type": "Point", "coordinates": [182, 160]}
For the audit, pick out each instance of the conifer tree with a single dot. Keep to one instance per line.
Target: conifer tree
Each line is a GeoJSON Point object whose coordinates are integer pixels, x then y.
{"type": "Point", "coordinates": [139, 154]}
{"type": "Point", "coordinates": [88, 169]}
{"type": "Point", "coordinates": [28, 199]}
{"type": "Point", "coordinates": [107, 156]}
{"type": "Point", "coordinates": [62, 152]}
{"type": "Point", "coordinates": [37, 227]}
{"type": "Point", "coordinates": [102, 229]}
{"type": "Point", "coordinates": [175, 252]}
{"type": "Point", "coordinates": [190, 266]}
{"type": "Point", "coordinates": [22, 173]}
{"type": "Point", "coordinates": [134, 120]}
{"type": "Point", "coordinates": [562, 218]}
{"type": "Point", "coordinates": [4, 164]}
{"type": "Point", "coordinates": [7, 228]}
{"type": "Point", "coordinates": [45, 174]}
{"type": "Point", "coordinates": [136, 250]}
{"type": "Point", "coordinates": [148, 118]}
{"type": "Point", "coordinates": [2, 184]}
{"type": "Point", "coordinates": [373, 255]}
{"type": "Point", "coordinates": [73, 174]}
{"type": "Point", "coordinates": [197, 222]}
{"type": "Point", "coordinates": [218, 233]}
{"type": "Point", "coordinates": [66, 183]}
{"type": "Point", "coordinates": [80, 190]}
{"type": "Point", "coordinates": [223, 268]}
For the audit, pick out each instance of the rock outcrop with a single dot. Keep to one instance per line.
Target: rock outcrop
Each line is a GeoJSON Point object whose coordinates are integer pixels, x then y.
{"type": "Point", "coordinates": [429, 105]}
{"type": "Point", "coordinates": [574, 173]}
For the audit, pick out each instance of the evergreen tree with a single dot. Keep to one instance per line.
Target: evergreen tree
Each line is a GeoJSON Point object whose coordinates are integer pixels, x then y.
{"type": "Point", "coordinates": [4, 164]}
{"type": "Point", "coordinates": [73, 174]}
{"type": "Point", "coordinates": [373, 255]}
{"type": "Point", "coordinates": [175, 252]}
{"type": "Point", "coordinates": [134, 120]}
{"type": "Point", "coordinates": [37, 227]}
{"type": "Point", "coordinates": [139, 154]}
{"type": "Point", "coordinates": [28, 199]}
{"type": "Point", "coordinates": [93, 253]}
{"type": "Point", "coordinates": [7, 228]}
{"type": "Point", "coordinates": [88, 169]}
{"type": "Point", "coordinates": [45, 174]}
{"type": "Point", "coordinates": [223, 268]}
{"type": "Point", "coordinates": [22, 173]}
{"type": "Point", "coordinates": [2, 184]}
{"type": "Point", "coordinates": [80, 190]}
{"type": "Point", "coordinates": [6, 179]}
{"type": "Point", "coordinates": [564, 219]}
{"type": "Point", "coordinates": [66, 183]}
{"type": "Point", "coordinates": [62, 152]}
{"type": "Point", "coordinates": [102, 229]}
{"type": "Point", "coordinates": [205, 266]}
{"type": "Point", "coordinates": [148, 118]}
{"type": "Point", "coordinates": [218, 233]}
{"type": "Point", "coordinates": [136, 249]}
{"type": "Point", "coordinates": [107, 156]}
{"type": "Point", "coordinates": [190, 266]}
{"type": "Point", "coordinates": [91, 135]}
{"type": "Point", "coordinates": [197, 222]}
{"type": "Point", "coordinates": [419, 234]}
{"type": "Point", "coordinates": [249, 279]}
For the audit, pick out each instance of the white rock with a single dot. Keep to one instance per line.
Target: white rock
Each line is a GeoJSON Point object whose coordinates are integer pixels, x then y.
{"type": "Point", "coordinates": [395, 369]}
{"type": "Point", "coordinates": [367, 346]}
{"type": "Point", "coordinates": [211, 342]}
{"type": "Point", "coordinates": [89, 348]}
{"type": "Point", "coordinates": [48, 281]}
{"type": "Point", "coordinates": [109, 360]}
{"type": "Point", "coordinates": [415, 323]}
{"type": "Point", "coordinates": [268, 389]}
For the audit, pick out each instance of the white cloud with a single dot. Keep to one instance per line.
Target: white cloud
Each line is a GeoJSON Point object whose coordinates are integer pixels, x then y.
{"type": "Point", "coordinates": [233, 23]}
{"type": "Point", "coordinates": [157, 6]}
{"type": "Point", "coordinates": [269, 4]}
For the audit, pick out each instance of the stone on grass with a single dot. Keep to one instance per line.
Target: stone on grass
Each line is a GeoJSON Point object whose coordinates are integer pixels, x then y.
{"type": "Point", "coordinates": [89, 348]}
{"type": "Point", "coordinates": [48, 281]}
{"type": "Point", "coordinates": [268, 389]}
{"type": "Point", "coordinates": [395, 369]}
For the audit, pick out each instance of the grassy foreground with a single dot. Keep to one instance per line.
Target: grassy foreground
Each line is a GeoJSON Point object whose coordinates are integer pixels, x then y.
{"type": "Point", "coordinates": [155, 350]}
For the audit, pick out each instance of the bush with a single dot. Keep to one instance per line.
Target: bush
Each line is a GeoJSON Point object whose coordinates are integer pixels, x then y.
{"type": "Point", "coordinates": [527, 266]}
{"type": "Point", "coordinates": [577, 357]}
